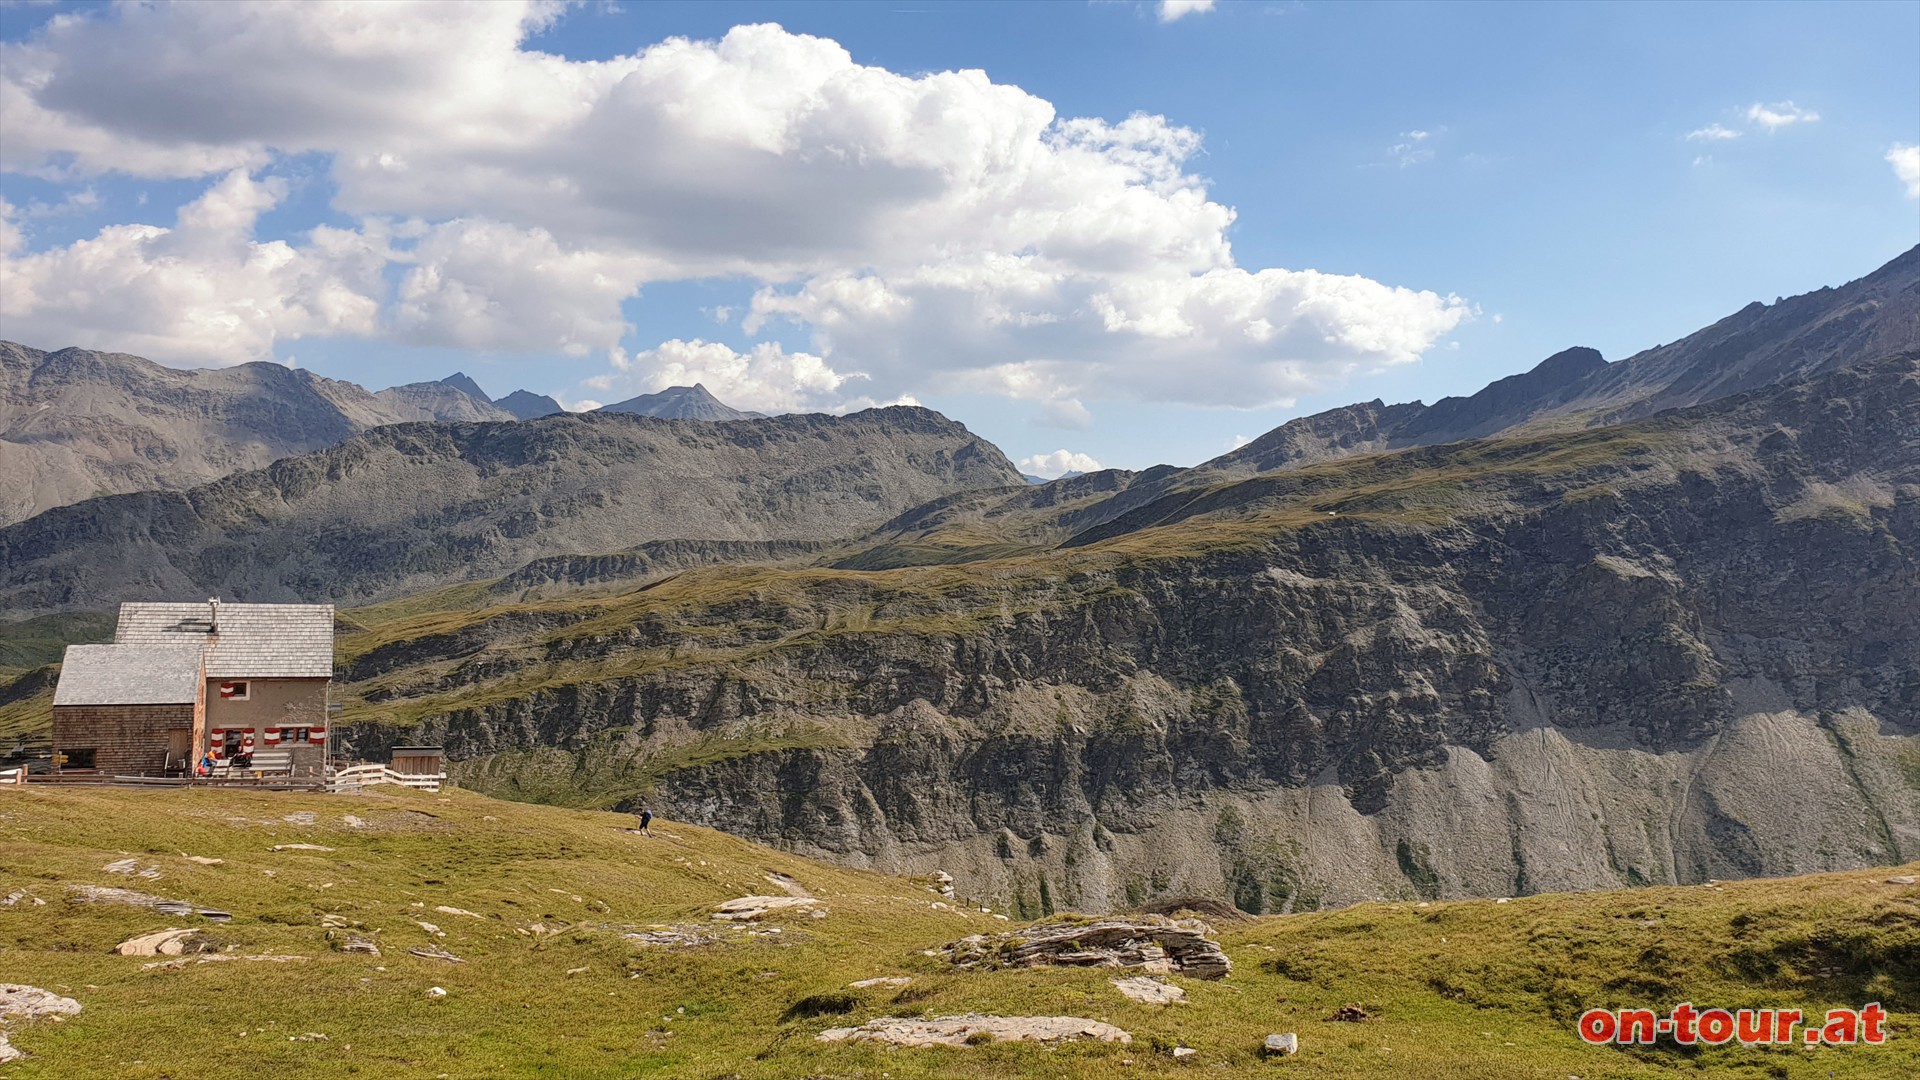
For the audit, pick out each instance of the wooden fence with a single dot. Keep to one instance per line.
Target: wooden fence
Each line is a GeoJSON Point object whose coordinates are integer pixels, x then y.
{"type": "Point", "coordinates": [355, 777]}
{"type": "Point", "coordinates": [352, 778]}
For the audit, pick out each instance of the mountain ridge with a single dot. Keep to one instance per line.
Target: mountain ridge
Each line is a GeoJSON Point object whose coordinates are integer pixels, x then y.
{"type": "Point", "coordinates": [427, 504]}
{"type": "Point", "coordinates": [79, 423]}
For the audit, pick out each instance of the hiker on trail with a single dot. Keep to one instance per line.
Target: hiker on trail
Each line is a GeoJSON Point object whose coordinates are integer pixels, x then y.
{"type": "Point", "coordinates": [646, 821]}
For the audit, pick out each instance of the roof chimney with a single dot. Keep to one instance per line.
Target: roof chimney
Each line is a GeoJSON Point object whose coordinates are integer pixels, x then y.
{"type": "Point", "coordinates": [213, 614]}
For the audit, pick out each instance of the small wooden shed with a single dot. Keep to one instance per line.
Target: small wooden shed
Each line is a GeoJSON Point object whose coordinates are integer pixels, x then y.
{"type": "Point", "coordinates": [420, 760]}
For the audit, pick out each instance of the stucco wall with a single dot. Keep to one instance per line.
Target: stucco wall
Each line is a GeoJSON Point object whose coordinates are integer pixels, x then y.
{"type": "Point", "coordinates": [270, 703]}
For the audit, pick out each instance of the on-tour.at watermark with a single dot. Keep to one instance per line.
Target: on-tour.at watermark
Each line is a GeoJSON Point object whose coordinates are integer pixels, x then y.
{"type": "Point", "coordinates": [1689, 1026]}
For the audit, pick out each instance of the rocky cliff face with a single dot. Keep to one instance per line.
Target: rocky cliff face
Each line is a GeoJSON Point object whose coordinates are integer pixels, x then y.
{"type": "Point", "coordinates": [1682, 648]}
{"type": "Point", "coordinates": [413, 506]}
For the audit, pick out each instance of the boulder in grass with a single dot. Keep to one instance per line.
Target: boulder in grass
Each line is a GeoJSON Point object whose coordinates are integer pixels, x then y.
{"type": "Point", "coordinates": [973, 1029]}
{"type": "Point", "coordinates": [165, 943]}
{"type": "Point", "coordinates": [1153, 944]}
{"type": "Point", "coordinates": [19, 1001]}
{"type": "Point", "coordinates": [1284, 1044]}
{"type": "Point", "coordinates": [1148, 990]}
{"type": "Point", "coordinates": [755, 908]}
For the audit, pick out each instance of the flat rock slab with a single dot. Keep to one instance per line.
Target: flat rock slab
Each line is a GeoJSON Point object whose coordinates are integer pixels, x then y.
{"type": "Point", "coordinates": [19, 1001]}
{"type": "Point", "coordinates": [349, 942]}
{"type": "Point", "coordinates": [1154, 944]}
{"type": "Point", "coordinates": [104, 894]}
{"type": "Point", "coordinates": [754, 908]}
{"type": "Point", "coordinates": [972, 1029]}
{"type": "Point", "coordinates": [687, 934]}
{"type": "Point", "coordinates": [169, 942]}
{"type": "Point", "coordinates": [219, 958]}
{"type": "Point", "coordinates": [434, 952]}
{"type": "Point", "coordinates": [887, 981]}
{"type": "Point", "coordinates": [132, 866]}
{"type": "Point", "coordinates": [1149, 991]}
{"type": "Point", "coordinates": [300, 847]}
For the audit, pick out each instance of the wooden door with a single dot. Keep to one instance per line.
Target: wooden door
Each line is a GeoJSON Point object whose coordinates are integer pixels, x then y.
{"type": "Point", "coordinates": [179, 745]}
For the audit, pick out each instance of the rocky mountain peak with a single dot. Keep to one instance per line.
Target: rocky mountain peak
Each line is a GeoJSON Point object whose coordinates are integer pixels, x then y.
{"type": "Point", "coordinates": [461, 382]}
{"type": "Point", "coordinates": [694, 402]}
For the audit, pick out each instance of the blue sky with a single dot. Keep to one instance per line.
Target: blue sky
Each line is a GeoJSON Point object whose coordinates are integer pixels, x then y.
{"type": "Point", "coordinates": [1476, 186]}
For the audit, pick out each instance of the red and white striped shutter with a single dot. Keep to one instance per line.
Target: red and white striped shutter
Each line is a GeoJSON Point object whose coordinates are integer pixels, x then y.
{"type": "Point", "coordinates": [273, 736]}
{"type": "Point", "coordinates": [316, 736]}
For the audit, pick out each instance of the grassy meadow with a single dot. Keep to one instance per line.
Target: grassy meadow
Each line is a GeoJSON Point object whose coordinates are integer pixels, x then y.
{"type": "Point", "coordinates": [548, 985]}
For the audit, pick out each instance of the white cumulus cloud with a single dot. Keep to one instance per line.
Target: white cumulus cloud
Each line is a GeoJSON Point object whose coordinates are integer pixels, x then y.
{"type": "Point", "coordinates": [1057, 463]}
{"type": "Point", "coordinates": [1712, 133]}
{"type": "Point", "coordinates": [1780, 114]}
{"type": "Point", "coordinates": [928, 231]}
{"type": "Point", "coordinates": [1180, 9]}
{"type": "Point", "coordinates": [766, 378]}
{"type": "Point", "coordinates": [201, 292]}
{"type": "Point", "coordinates": [1906, 165]}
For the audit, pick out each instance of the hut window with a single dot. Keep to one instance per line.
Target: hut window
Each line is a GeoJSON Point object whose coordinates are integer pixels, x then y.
{"type": "Point", "coordinates": [79, 759]}
{"type": "Point", "coordinates": [234, 690]}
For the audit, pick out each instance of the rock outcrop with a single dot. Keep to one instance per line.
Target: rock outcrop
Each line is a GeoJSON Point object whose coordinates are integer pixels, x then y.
{"type": "Point", "coordinates": [973, 1029]}
{"type": "Point", "coordinates": [170, 942]}
{"type": "Point", "coordinates": [1152, 943]}
{"type": "Point", "coordinates": [1149, 991]}
{"type": "Point", "coordinates": [755, 908]}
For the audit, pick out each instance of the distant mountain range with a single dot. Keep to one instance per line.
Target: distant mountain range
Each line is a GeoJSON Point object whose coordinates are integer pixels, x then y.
{"type": "Point", "coordinates": [680, 403]}
{"type": "Point", "coordinates": [412, 506]}
{"type": "Point", "coordinates": [76, 423]}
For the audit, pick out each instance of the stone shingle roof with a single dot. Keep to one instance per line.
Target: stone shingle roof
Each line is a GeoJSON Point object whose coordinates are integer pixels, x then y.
{"type": "Point", "coordinates": [129, 675]}
{"type": "Point", "coordinates": [256, 641]}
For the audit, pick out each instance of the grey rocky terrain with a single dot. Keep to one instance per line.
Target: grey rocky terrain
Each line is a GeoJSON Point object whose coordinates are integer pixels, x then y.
{"type": "Point", "coordinates": [412, 506]}
{"type": "Point", "coordinates": [1682, 648]}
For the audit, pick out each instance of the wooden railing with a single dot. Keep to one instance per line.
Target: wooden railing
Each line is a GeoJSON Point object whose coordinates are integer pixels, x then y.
{"type": "Point", "coordinates": [352, 778]}
{"type": "Point", "coordinates": [355, 777]}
